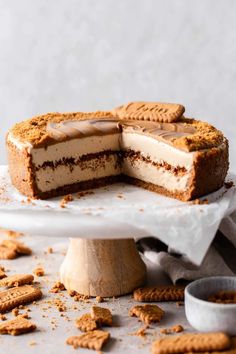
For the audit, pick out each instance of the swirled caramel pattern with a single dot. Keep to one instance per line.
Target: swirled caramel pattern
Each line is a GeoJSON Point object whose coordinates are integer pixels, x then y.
{"type": "Point", "coordinates": [160, 131]}
{"type": "Point", "coordinates": [78, 129]}
{"type": "Point", "coordinates": [82, 128]}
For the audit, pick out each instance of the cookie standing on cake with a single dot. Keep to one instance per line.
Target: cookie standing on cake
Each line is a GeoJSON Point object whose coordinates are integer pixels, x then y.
{"type": "Point", "coordinates": [146, 144]}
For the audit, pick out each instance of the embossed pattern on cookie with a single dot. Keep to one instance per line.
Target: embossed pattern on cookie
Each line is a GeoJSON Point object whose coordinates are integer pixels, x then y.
{"type": "Point", "coordinates": [101, 315]}
{"type": "Point", "coordinates": [85, 323]}
{"type": "Point", "coordinates": [191, 342]}
{"type": "Point", "coordinates": [159, 293]}
{"type": "Point", "coordinates": [18, 325]}
{"type": "Point", "coordinates": [153, 111]}
{"type": "Point", "coordinates": [147, 313]}
{"type": "Point", "coordinates": [14, 297]}
{"type": "Point", "coordinates": [231, 350]}
{"type": "Point", "coordinates": [17, 280]}
{"type": "Point", "coordinates": [90, 340]}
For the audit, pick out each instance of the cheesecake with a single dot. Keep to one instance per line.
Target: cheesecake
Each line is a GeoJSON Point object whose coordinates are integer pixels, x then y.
{"type": "Point", "coordinates": [150, 145]}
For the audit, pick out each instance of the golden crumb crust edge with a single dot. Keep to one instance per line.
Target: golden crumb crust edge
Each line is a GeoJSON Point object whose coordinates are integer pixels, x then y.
{"type": "Point", "coordinates": [34, 130]}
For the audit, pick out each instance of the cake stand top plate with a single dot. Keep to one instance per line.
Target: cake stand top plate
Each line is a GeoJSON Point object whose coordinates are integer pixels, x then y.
{"type": "Point", "coordinates": [119, 211]}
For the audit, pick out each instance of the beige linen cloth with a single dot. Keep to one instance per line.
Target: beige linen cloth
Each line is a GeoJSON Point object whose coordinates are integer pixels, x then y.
{"type": "Point", "coordinates": [219, 260]}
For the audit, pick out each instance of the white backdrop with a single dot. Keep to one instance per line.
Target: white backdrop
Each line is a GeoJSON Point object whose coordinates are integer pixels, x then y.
{"type": "Point", "coordinates": [70, 55]}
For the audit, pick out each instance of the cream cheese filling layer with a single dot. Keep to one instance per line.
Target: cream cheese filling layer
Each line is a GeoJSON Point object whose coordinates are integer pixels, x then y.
{"type": "Point", "coordinates": [157, 151]}
{"type": "Point", "coordinates": [48, 178]}
{"type": "Point", "coordinates": [158, 176]}
{"type": "Point", "coordinates": [76, 148]}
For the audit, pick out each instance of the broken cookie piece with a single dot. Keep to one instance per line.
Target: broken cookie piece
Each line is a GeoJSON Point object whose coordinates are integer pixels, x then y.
{"type": "Point", "coordinates": [11, 249]}
{"type": "Point", "coordinates": [91, 340]}
{"type": "Point", "coordinates": [7, 253]}
{"type": "Point", "coordinates": [147, 313]}
{"type": "Point", "coordinates": [101, 315]}
{"type": "Point", "coordinates": [18, 325]}
{"type": "Point", "coordinates": [85, 323]}
{"type": "Point", "coordinates": [17, 246]}
{"type": "Point", "coordinates": [17, 280]}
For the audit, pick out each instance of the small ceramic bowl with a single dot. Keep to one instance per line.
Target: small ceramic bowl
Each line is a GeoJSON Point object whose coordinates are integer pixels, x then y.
{"type": "Point", "coordinates": [208, 316]}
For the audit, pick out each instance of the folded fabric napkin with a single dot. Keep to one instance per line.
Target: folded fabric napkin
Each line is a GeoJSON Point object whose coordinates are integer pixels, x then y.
{"type": "Point", "coordinates": [219, 260]}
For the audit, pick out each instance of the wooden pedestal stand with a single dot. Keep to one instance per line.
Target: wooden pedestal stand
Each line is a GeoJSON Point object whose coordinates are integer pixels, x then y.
{"type": "Point", "coordinates": [102, 267]}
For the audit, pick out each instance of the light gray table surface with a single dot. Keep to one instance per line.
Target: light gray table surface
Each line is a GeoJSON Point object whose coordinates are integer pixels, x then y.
{"type": "Point", "coordinates": [53, 329]}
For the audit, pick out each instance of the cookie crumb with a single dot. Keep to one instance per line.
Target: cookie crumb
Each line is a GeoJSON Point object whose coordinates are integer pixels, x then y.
{"type": "Point", "coordinates": [141, 332]}
{"type": "Point", "coordinates": [32, 343]}
{"type": "Point", "coordinates": [81, 298]}
{"type": "Point", "coordinates": [229, 184]}
{"type": "Point", "coordinates": [61, 307]}
{"type": "Point", "coordinates": [224, 297]}
{"type": "Point", "coordinates": [39, 272]}
{"type": "Point", "coordinates": [57, 287]}
{"type": "Point", "coordinates": [15, 312]}
{"type": "Point", "coordinates": [65, 200]}
{"type": "Point", "coordinates": [177, 329]}
{"type": "Point", "coordinates": [174, 329]}
{"type": "Point", "coordinates": [199, 201]}
{"type": "Point", "coordinates": [99, 299]}
{"type": "Point", "coordinates": [84, 193]}
{"type": "Point", "coordinates": [25, 315]}
{"type": "Point", "coordinates": [71, 293]}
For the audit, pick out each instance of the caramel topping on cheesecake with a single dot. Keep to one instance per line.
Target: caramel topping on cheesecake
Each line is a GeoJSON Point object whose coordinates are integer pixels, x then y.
{"type": "Point", "coordinates": [185, 134]}
{"type": "Point", "coordinates": [34, 130]}
{"type": "Point", "coordinates": [79, 129]}
{"type": "Point", "coordinates": [167, 132]}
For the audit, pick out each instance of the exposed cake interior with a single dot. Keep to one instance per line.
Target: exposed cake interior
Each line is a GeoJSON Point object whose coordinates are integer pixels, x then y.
{"type": "Point", "coordinates": [94, 149]}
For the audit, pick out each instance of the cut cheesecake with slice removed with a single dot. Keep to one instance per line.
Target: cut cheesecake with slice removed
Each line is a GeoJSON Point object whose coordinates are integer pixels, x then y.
{"type": "Point", "coordinates": [150, 145]}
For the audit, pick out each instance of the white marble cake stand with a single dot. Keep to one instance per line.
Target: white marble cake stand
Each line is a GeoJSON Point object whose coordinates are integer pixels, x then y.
{"type": "Point", "coordinates": [102, 258]}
